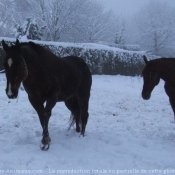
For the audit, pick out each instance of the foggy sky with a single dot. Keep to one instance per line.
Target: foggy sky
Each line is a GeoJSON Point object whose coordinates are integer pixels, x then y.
{"type": "Point", "coordinates": [129, 7]}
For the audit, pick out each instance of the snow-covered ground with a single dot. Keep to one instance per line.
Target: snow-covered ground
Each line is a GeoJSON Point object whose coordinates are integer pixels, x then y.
{"type": "Point", "coordinates": [124, 135]}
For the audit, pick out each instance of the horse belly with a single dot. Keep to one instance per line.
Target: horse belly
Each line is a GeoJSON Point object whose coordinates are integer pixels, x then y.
{"type": "Point", "coordinates": [68, 91]}
{"type": "Point", "coordinates": [62, 97]}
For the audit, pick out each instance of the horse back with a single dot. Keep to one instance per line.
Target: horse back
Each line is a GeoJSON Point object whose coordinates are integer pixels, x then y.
{"type": "Point", "coordinates": [78, 66]}
{"type": "Point", "coordinates": [47, 72]}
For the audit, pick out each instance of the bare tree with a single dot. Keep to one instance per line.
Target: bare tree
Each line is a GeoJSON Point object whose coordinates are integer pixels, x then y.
{"type": "Point", "coordinates": [96, 24]}
{"type": "Point", "coordinates": [156, 25]}
{"type": "Point", "coordinates": [58, 16]}
{"type": "Point", "coordinates": [14, 13]}
{"type": "Point", "coordinates": [61, 20]}
{"type": "Point", "coordinates": [120, 31]}
{"type": "Point", "coordinates": [6, 17]}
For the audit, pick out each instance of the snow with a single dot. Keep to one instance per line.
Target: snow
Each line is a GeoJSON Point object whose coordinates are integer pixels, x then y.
{"type": "Point", "coordinates": [70, 44]}
{"type": "Point", "coordinates": [124, 135]}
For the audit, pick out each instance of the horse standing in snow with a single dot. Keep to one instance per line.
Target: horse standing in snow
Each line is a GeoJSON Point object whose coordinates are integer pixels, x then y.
{"type": "Point", "coordinates": [47, 78]}
{"type": "Point", "coordinates": [162, 68]}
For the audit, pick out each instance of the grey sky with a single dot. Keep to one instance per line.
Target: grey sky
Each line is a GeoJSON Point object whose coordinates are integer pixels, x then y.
{"type": "Point", "coordinates": [128, 7]}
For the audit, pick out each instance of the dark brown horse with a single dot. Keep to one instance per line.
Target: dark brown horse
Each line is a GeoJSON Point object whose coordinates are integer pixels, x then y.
{"type": "Point", "coordinates": [162, 68]}
{"type": "Point", "coordinates": [47, 78]}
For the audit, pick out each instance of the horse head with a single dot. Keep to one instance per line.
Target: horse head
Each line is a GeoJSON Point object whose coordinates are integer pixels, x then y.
{"type": "Point", "coordinates": [151, 78]}
{"type": "Point", "coordinates": [15, 68]}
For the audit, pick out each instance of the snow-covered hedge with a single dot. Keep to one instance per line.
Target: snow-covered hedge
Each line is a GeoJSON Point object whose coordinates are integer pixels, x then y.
{"type": "Point", "coordinates": [131, 47]}
{"type": "Point", "coordinates": [100, 59]}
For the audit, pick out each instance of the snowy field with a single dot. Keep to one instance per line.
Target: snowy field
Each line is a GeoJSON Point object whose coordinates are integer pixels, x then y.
{"type": "Point", "coordinates": [124, 135]}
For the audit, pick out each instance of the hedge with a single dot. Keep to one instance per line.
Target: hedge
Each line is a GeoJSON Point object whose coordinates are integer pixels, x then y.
{"type": "Point", "coordinates": [100, 59]}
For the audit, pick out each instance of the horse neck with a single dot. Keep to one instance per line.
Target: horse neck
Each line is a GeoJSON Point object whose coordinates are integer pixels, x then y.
{"type": "Point", "coordinates": [166, 71]}
{"type": "Point", "coordinates": [31, 68]}
{"type": "Point", "coordinates": [30, 61]}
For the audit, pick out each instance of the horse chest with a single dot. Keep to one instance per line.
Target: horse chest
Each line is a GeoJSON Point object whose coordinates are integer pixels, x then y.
{"type": "Point", "coordinates": [36, 87]}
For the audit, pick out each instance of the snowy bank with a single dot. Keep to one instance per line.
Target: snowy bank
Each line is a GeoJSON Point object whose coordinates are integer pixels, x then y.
{"type": "Point", "coordinates": [125, 134]}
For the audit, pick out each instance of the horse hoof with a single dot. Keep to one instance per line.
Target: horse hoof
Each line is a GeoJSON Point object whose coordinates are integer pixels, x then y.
{"type": "Point", "coordinates": [77, 129]}
{"type": "Point", "coordinates": [45, 143]}
{"type": "Point", "coordinates": [82, 134]}
{"type": "Point", "coordinates": [45, 147]}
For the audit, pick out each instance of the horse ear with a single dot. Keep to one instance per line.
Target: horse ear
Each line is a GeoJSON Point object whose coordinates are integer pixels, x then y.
{"type": "Point", "coordinates": [5, 46]}
{"type": "Point", "coordinates": [17, 44]}
{"type": "Point", "coordinates": [145, 59]}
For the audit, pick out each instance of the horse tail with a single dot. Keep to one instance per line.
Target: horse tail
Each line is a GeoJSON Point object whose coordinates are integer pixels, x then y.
{"type": "Point", "coordinates": [72, 120]}
{"type": "Point", "coordinates": [75, 117]}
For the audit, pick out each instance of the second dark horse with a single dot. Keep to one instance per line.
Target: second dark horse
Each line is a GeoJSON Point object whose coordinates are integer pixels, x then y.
{"type": "Point", "coordinates": [47, 80]}
{"type": "Point", "coordinates": [154, 70]}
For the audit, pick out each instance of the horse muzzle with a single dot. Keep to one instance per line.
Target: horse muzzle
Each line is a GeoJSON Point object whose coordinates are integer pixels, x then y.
{"type": "Point", "coordinates": [12, 95]}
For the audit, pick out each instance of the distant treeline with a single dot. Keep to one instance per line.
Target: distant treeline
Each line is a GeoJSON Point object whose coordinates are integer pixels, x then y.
{"type": "Point", "coordinates": [100, 61]}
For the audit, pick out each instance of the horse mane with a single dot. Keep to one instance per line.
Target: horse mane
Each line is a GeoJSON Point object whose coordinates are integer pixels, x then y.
{"type": "Point", "coordinates": [161, 60]}
{"type": "Point", "coordinates": [39, 49]}
{"type": "Point", "coordinates": [36, 47]}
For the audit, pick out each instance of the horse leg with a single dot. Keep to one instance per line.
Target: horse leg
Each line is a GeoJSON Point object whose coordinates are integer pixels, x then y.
{"type": "Point", "coordinates": [44, 115]}
{"type": "Point", "coordinates": [50, 103]}
{"type": "Point", "coordinates": [39, 107]}
{"type": "Point", "coordinates": [171, 94]}
{"type": "Point", "coordinates": [73, 105]}
{"type": "Point", "coordinates": [83, 103]}
{"type": "Point", "coordinates": [172, 102]}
